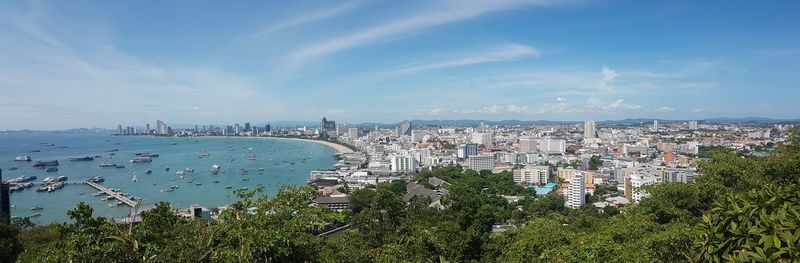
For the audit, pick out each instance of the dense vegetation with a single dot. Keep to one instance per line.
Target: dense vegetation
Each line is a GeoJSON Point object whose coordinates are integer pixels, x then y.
{"type": "Point", "coordinates": [740, 209]}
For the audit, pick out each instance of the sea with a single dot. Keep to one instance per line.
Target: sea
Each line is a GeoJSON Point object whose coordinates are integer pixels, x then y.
{"type": "Point", "coordinates": [283, 162]}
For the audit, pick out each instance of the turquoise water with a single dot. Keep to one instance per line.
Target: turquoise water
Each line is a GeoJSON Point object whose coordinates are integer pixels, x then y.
{"type": "Point", "coordinates": [284, 162]}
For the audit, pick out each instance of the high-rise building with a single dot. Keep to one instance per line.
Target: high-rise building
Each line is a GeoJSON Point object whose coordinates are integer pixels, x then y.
{"type": "Point", "coordinates": [402, 163]}
{"type": "Point", "coordinates": [5, 203]}
{"type": "Point", "coordinates": [147, 128]}
{"type": "Point", "coordinates": [247, 127]}
{"type": "Point", "coordinates": [481, 162]}
{"type": "Point", "coordinates": [576, 192]}
{"type": "Point", "coordinates": [655, 125]}
{"type": "Point", "coordinates": [417, 136]}
{"type": "Point", "coordinates": [236, 128]}
{"type": "Point", "coordinates": [267, 128]}
{"type": "Point", "coordinates": [403, 128]}
{"type": "Point", "coordinates": [589, 131]}
{"type": "Point", "coordinates": [119, 129]}
{"type": "Point", "coordinates": [532, 174]}
{"type": "Point", "coordinates": [483, 138]}
{"type": "Point", "coordinates": [550, 145]}
{"type": "Point", "coordinates": [692, 125]}
{"type": "Point", "coordinates": [637, 181]}
{"type": "Point", "coordinates": [527, 145]}
{"type": "Point", "coordinates": [467, 150]}
{"type": "Point", "coordinates": [352, 133]}
{"type": "Point", "coordinates": [161, 128]}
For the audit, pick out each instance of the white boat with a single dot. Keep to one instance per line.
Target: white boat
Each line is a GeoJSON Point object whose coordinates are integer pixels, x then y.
{"type": "Point", "coordinates": [215, 169]}
{"type": "Point", "coordinates": [141, 159]}
{"type": "Point", "coordinates": [23, 158]}
{"type": "Point", "coordinates": [180, 172]}
{"type": "Point", "coordinates": [134, 178]}
{"type": "Point", "coordinates": [189, 170]}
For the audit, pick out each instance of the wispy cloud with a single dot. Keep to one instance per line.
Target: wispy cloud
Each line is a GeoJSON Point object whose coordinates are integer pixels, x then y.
{"type": "Point", "coordinates": [443, 14]}
{"type": "Point", "coordinates": [502, 53]}
{"type": "Point", "coordinates": [311, 16]}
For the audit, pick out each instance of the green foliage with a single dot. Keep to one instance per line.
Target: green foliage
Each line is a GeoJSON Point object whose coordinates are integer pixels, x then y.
{"type": "Point", "coordinates": [761, 225]}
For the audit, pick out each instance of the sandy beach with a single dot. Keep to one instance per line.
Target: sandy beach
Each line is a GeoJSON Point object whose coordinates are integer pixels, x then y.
{"type": "Point", "coordinates": [339, 148]}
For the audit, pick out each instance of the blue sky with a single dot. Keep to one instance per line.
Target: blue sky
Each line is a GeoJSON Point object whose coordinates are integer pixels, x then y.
{"type": "Point", "coordinates": [68, 64]}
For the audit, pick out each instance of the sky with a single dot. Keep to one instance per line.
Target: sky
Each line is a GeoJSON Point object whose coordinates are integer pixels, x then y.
{"type": "Point", "coordinates": [70, 64]}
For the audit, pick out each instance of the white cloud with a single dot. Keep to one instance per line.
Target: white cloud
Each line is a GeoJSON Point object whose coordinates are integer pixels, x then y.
{"type": "Point", "coordinates": [309, 17]}
{"type": "Point", "coordinates": [605, 82]}
{"type": "Point", "coordinates": [664, 109]}
{"type": "Point", "coordinates": [560, 99]}
{"type": "Point", "coordinates": [502, 53]}
{"type": "Point", "coordinates": [513, 108]}
{"type": "Point", "coordinates": [490, 109]}
{"type": "Point", "coordinates": [448, 13]}
{"type": "Point", "coordinates": [429, 112]}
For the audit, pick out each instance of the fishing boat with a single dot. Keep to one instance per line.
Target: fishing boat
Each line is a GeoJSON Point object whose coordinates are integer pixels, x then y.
{"type": "Point", "coordinates": [46, 163]}
{"type": "Point", "coordinates": [141, 159]}
{"type": "Point", "coordinates": [81, 159]}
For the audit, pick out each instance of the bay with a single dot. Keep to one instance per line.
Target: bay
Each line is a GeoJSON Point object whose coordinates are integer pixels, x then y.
{"type": "Point", "coordinates": [284, 163]}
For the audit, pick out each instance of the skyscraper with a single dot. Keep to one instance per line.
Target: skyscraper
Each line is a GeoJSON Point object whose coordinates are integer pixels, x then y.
{"type": "Point", "coordinates": [403, 128]}
{"type": "Point", "coordinates": [589, 130]}
{"type": "Point", "coordinates": [246, 126]}
{"type": "Point", "coordinates": [527, 145]}
{"type": "Point", "coordinates": [655, 125]}
{"type": "Point", "coordinates": [576, 192]}
{"type": "Point", "coordinates": [161, 129]}
{"type": "Point", "coordinates": [692, 125]}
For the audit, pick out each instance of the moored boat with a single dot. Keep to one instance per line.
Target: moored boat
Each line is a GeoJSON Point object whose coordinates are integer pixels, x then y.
{"type": "Point", "coordinates": [24, 158]}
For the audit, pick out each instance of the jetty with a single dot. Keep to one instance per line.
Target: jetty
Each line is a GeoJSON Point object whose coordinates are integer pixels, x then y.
{"type": "Point", "coordinates": [123, 199]}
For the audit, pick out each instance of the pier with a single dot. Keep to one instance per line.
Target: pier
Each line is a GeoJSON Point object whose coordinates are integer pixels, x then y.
{"type": "Point", "coordinates": [116, 195]}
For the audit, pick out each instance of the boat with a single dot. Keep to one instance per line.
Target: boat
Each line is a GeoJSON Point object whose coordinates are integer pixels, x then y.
{"type": "Point", "coordinates": [98, 156]}
{"type": "Point", "coordinates": [36, 208]}
{"type": "Point", "coordinates": [228, 187]}
{"type": "Point", "coordinates": [61, 178]}
{"type": "Point", "coordinates": [215, 169]}
{"type": "Point", "coordinates": [80, 159]}
{"type": "Point", "coordinates": [35, 215]}
{"type": "Point", "coordinates": [204, 153]}
{"type": "Point", "coordinates": [51, 169]}
{"type": "Point", "coordinates": [24, 158]}
{"type": "Point", "coordinates": [180, 173]}
{"type": "Point", "coordinates": [134, 178]}
{"type": "Point", "coordinates": [48, 180]}
{"type": "Point", "coordinates": [113, 150]}
{"type": "Point", "coordinates": [189, 170]}
{"type": "Point", "coordinates": [112, 205]}
{"type": "Point", "coordinates": [245, 179]}
{"type": "Point", "coordinates": [108, 165]}
{"type": "Point", "coordinates": [216, 182]}
{"type": "Point", "coordinates": [119, 166]}
{"type": "Point", "coordinates": [12, 168]}
{"type": "Point", "coordinates": [46, 163]}
{"type": "Point", "coordinates": [261, 169]}
{"type": "Point", "coordinates": [36, 151]}
{"type": "Point", "coordinates": [167, 169]}
{"type": "Point", "coordinates": [141, 159]}
{"type": "Point", "coordinates": [198, 184]}
{"type": "Point", "coordinates": [96, 179]}
{"type": "Point", "coordinates": [243, 171]}
{"type": "Point", "coordinates": [147, 154]}
{"type": "Point", "coordinates": [148, 171]}
{"type": "Point", "coordinates": [98, 193]}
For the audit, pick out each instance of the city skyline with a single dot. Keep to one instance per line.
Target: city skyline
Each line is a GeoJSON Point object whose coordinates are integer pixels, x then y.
{"type": "Point", "coordinates": [370, 61]}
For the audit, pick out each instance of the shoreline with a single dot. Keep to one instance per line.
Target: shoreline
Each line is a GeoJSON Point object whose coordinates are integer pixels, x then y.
{"type": "Point", "coordinates": [338, 147]}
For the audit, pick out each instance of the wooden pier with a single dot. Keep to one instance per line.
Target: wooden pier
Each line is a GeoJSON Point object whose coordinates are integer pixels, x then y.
{"type": "Point", "coordinates": [123, 199]}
